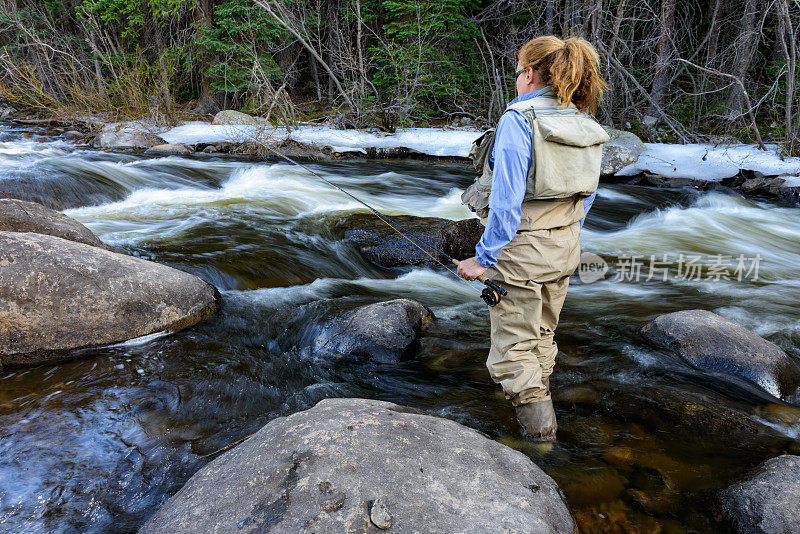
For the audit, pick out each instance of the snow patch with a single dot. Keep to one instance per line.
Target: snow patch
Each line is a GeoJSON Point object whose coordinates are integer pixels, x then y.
{"type": "Point", "coordinates": [709, 162]}
{"type": "Point", "coordinates": [430, 141]}
{"type": "Point", "coordinates": [698, 161]}
{"type": "Point", "coordinates": [792, 181]}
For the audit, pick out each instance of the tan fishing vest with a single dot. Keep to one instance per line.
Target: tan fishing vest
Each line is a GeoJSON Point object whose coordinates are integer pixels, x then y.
{"type": "Point", "coordinates": [566, 155]}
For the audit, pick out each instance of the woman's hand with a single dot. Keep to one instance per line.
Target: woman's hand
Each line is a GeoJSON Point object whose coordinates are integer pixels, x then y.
{"type": "Point", "coordinates": [471, 269]}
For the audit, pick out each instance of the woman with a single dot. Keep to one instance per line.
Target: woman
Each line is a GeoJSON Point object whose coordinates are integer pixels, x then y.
{"type": "Point", "coordinates": [539, 176]}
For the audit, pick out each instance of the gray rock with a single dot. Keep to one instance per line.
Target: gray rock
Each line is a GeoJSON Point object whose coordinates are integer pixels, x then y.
{"type": "Point", "coordinates": [169, 149]}
{"type": "Point", "coordinates": [784, 186]}
{"type": "Point", "coordinates": [622, 150]}
{"type": "Point", "coordinates": [210, 149]}
{"type": "Point", "coordinates": [72, 135]}
{"type": "Point", "coordinates": [707, 341]}
{"type": "Point", "coordinates": [379, 515]}
{"type": "Point", "coordinates": [768, 501]}
{"type": "Point", "coordinates": [385, 332]}
{"type": "Point", "coordinates": [57, 296]}
{"type": "Point", "coordinates": [697, 417]}
{"type": "Point", "coordinates": [125, 136]}
{"type": "Point", "coordinates": [791, 193]}
{"type": "Point", "coordinates": [6, 110]}
{"type": "Point", "coordinates": [650, 121]}
{"type": "Point", "coordinates": [21, 216]}
{"type": "Point", "coordinates": [58, 191]}
{"type": "Point", "coordinates": [775, 184]}
{"type": "Point", "coordinates": [725, 190]}
{"type": "Point", "coordinates": [229, 116]}
{"type": "Point", "coordinates": [383, 246]}
{"type": "Point", "coordinates": [318, 470]}
{"type": "Point", "coordinates": [753, 184]}
{"type": "Point", "coordinates": [673, 181]}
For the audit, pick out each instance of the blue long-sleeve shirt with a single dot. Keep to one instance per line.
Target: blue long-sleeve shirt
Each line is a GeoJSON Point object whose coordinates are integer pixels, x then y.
{"type": "Point", "coordinates": [509, 160]}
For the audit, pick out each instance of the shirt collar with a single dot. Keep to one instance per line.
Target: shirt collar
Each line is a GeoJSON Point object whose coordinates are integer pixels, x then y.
{"type": "Point", "coordinates": [533, 94]}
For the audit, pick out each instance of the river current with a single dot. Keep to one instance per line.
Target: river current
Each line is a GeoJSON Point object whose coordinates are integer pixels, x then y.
{"type": "Point", "coordinates": [97, 443]}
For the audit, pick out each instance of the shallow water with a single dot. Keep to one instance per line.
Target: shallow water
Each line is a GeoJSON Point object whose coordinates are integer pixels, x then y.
{"type": "Point", "coordinates": [96, 444]}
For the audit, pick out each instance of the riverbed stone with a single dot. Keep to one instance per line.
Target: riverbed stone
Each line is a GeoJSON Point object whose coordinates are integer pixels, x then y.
{"type": "Point", "coordinates": [768, 500]}
{"type": "Point", "coordinates": [707, 341]}
{"type": "Point", "coordinates": [125, 135]}
{"type": "Point", "coordinates": [379, 515]}
{"type": "Point", "coordinates": [169, 149]}
{"type": "Point", "coordinates": [385, 332]}
{"type": "Point", "coordinates": [695, 416]}
{"type": "Point", "coordinates": [381, 245]}
{"type": "Point", "coordinates": [21, 216]}
{"type": "Point", "coordinates": [230, 116]}
{"type": "Point", "coordinates": [320, 470]}
{"type": "Point", "coordinates": [622, 150]}
{"type": "Point", "coordinates": [57, 296]}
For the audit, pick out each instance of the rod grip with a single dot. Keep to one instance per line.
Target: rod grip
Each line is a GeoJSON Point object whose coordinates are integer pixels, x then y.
{"type": "Point", "coordinates": [480, 278]}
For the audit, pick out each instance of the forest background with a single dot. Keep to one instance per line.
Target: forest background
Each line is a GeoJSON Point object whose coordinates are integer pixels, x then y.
{"type": "Point", "coordinates": [679, 71]}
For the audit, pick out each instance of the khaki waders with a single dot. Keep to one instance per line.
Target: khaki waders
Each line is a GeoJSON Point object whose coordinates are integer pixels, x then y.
{"type": "Point", "coordinates": [534, 268]}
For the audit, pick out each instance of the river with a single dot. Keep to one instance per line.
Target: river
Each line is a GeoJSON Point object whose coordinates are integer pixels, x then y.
{"type": "Point", "coordinates": [96, 444]}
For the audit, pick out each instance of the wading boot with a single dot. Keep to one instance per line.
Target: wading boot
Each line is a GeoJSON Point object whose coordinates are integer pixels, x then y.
{"type": "Point", "coordinates": [538, 421]}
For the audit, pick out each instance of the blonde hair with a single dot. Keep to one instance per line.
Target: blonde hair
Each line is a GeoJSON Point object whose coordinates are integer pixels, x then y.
{"type": "Point", "coordinates": [570, 66]}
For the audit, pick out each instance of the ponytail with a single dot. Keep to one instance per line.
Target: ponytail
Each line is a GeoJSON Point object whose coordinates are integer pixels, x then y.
{"type": "Point", "coordinates": [571, 67]}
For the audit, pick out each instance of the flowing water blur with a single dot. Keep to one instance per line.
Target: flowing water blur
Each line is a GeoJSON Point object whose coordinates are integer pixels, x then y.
{"type": "Point", "coordinates": [96, 444]}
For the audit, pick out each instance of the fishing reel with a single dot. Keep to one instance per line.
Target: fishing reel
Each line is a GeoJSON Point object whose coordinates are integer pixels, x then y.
{"type": "Point", "coordinates": [492, 294]}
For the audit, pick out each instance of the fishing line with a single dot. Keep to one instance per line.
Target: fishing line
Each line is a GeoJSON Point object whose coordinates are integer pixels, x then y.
{"type": "Point", "coordinates": [491, 293]}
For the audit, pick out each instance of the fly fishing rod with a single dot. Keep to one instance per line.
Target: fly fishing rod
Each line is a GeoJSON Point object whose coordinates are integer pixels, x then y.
{"type": "Point", "coordinates": [491, 294]}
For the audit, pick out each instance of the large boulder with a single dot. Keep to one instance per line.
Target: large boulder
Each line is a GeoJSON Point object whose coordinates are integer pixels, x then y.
{"type": "Point", "coordinates": [356, 465]}
{"type": "Point", "coordinates": [169, 149]}
{"type": "Point", "coordinates": [125, 136]}
{"type": "Point", "coordinates": [57, 296]}
{"type": "Point", "coordinates": [622, 150]}
{"type": "Point", "coordinates": [59, 191]}
{"type": "Point", "coordinates": [707, 341]}
{"type": "Point", "coordinates": [381, 245]}
{"type": "Point", "coordinates": [229, 116]}
{"type": "Point", "coordinates": [385, 332]}
{"type": "Point", "coordinates": [21, 216]}
{"type": "Point", "coordinates": [767, 501]}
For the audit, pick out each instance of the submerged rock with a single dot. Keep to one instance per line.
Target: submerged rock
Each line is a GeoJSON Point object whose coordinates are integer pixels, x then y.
{"type": "Point", "coordinates": [60, 192]}
{"type": "Point", "coordinates": [57, 296]}
{"type": "Point", "coordinates": [622, 150]}
{"type": "Point", "coordinates": [385, 332]}
{"type": "Point", "coordinates": [21, 216]}
{"type": "Point", "coordinates": [125, 136]}
{"type": "Point", "coordinates": [324, 470]}
{"type": "Point", "coordinates": [169, 149]}
{"type": "Point", "coordinates": [383, 246]}
{"type": "Point", "coordinates": [696, 417]}
{"type": "Point", "coordinates": [707, 341]}
{"type": "Point", "coordinates": [768, 501]}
